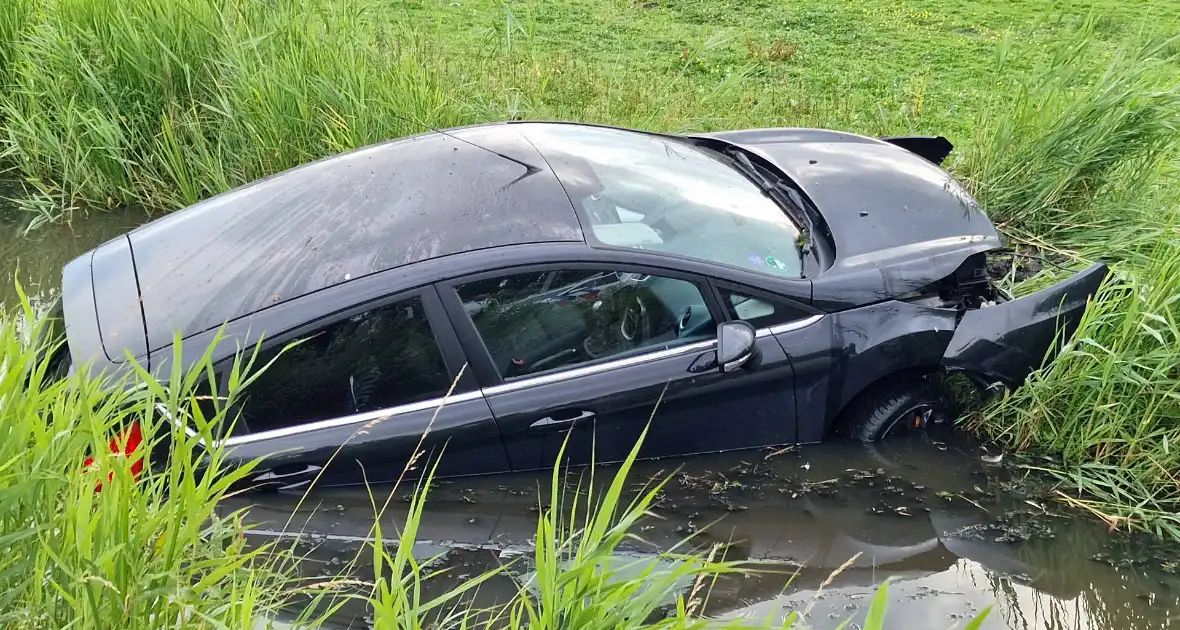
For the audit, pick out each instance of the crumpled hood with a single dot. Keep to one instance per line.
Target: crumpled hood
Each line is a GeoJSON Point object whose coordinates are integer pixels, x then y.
{"type": "Point", "coordinates": [890, 212]}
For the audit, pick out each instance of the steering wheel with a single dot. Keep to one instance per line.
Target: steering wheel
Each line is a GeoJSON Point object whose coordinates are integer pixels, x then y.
{"type": "Point", "coordinates": [632, 318]}
{"type": "Point", "coordinates": [632, 327]}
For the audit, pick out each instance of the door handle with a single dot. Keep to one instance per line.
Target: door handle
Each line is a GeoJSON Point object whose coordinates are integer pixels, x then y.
{"type": "Point", "coordinates": [560, 421]}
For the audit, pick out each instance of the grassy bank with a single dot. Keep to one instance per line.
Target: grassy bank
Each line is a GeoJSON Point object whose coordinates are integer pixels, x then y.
{"type": "Point", "coordinates": [162, 102]}
{"type": "Point", "coordinates": [1065, 117]}
{"type": "Point", "coordinates": [1085, 170]}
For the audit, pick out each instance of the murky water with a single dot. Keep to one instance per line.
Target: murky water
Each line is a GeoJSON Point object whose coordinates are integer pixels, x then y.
{"type": "Point", "coordinates": [948, 528]}
{"type": "Point", "coordinates": [36, 258]}
{"type": "Point", "coordinates": [930, 515]}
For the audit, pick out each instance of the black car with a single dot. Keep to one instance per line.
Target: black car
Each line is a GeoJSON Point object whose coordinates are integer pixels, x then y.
{"type": "Point", "coordinates": [507, 285]}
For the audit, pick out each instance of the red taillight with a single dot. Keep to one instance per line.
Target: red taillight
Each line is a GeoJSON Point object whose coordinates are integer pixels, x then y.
{"type": "Point", "coordinates": [127, 443]}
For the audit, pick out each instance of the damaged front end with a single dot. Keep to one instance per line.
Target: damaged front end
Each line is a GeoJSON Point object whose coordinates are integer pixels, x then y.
{"type": "Point", "coordinates": [998, 339]}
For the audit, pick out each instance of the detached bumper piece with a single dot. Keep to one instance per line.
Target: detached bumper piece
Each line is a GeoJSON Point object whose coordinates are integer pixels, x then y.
{"type": "Point", "coordinates": [1008, 341]}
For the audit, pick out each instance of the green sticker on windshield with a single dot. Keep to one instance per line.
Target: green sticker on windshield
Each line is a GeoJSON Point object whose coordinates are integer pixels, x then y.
{"type": "Point", "coordinates": [775, 263]}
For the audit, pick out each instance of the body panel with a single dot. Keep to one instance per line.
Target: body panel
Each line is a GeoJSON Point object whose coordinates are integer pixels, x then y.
{"type": "Point", "coordinates": [1006, 342]}
{"type": "Point", "coordinates": [842, 354]}
{"type": "Point", "coordinates": [376, 447]}
{"type": "Point", "coordinates": [688, 411]}
{"type": "Point", "coordinates": [81, 320]}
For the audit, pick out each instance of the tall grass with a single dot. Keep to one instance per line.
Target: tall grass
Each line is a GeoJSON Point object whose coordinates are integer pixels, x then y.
{"type": "Point", "coordinates": [1085, 167]}
{"type": "Point", "coordinates": [163, 102]}
{"type": "Point", "coordinates": [13, 15]}
{"type": "Point", "coordinates": [136, 554]}
{"type": "Point", "coordinates": [1068, 158]}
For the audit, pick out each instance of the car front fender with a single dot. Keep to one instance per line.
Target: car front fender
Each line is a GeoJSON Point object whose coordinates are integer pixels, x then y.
{"type": "Point", "coordinates": [1008, 341]}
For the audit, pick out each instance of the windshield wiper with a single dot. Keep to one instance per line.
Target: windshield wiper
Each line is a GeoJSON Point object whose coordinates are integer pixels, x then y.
{"type": "Point", "coordinates": [783, 194]}
{"type": "Point", "coordinates": [749, 169]}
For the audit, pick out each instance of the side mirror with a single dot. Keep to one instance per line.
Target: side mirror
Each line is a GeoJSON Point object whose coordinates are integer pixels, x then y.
{"type": "Point", "coordinates": [735, 344]}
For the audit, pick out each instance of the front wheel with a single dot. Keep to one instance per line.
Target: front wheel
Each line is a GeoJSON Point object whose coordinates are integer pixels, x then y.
{"type": "Point", "coordinates": [895, 406]}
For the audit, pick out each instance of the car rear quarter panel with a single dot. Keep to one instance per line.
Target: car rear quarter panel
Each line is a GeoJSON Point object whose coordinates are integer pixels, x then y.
{"type": "Point", "coordinates": [842, 354]}
{"type": "Point", "coordinates": [81, 322]}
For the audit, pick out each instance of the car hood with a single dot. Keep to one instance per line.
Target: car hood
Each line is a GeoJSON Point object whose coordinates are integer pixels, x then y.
{"type": "Point", "coordinates": [897, 220]}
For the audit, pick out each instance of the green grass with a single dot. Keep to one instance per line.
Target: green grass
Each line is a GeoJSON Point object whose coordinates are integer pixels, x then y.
{"type": "Point", "coordinates": [161, 103]}
{"type": "Point", "coordinates": [1086, 169]}
{"type": "Point", "coordinates": [134, 552]}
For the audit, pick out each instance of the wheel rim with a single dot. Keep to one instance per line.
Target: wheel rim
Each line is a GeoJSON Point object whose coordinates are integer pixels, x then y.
{"type": "Point", "coordinates": [914, 418]}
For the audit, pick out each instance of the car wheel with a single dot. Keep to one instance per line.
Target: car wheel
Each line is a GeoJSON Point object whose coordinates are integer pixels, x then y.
{"type": "Point", "coordinates": [896, 406]}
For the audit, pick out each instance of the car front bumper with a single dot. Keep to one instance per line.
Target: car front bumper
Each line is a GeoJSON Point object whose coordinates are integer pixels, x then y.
{"type": "Point", "coordinates": [1008, 341]}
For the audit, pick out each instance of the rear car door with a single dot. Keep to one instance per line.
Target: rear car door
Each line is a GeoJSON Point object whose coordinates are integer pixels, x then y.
{"type": "Point", "coordinates": [587, 352]}
{"type": "Point", "coordinates": [366, 389]}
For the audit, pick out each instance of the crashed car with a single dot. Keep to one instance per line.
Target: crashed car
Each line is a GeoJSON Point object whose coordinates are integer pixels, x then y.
{"type": "Point", "coordinates": [500, 289]}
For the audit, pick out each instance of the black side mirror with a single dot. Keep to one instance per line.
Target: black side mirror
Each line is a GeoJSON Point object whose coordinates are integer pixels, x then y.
{"type": "Point", "coordinates": [735, 345]}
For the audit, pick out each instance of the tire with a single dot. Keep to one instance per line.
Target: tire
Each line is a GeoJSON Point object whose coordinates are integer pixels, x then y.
{"type": "Point", "coordinates": [895, 405]}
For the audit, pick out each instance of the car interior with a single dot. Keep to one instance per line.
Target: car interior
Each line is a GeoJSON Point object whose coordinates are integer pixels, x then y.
{"type": "Point", "coordinates": [596, 316]}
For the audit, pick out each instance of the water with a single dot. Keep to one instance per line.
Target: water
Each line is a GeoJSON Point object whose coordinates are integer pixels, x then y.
{"type": "Point", "coordinates": [930, 514]}
{"type": "Point", "coordinates": [949, 528]}
{"type": "Point", "coordinates": [40, 255]}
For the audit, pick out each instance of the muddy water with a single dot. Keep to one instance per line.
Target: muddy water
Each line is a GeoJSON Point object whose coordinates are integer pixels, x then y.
{"type": "Point", "coordinates": [928, 513]}
{"type": "Point", "coordinates": [36, 258]}
{"type": "Point", "coordinates": [950, 529]}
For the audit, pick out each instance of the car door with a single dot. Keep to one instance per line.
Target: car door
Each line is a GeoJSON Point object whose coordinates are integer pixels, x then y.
{"type": "Point", "coordinates": [364, 393]}
{"type": "Point", "coordinates": [591, 352]}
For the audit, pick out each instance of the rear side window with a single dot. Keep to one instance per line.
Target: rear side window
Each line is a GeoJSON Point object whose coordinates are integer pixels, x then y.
{"type": "Point", "coordinates": [374, 360]}
{"type": "Point", "coordinates": [548, 320]}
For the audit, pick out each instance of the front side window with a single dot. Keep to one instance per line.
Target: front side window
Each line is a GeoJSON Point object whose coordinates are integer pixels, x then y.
{"type": "Point", "coordinates": [546, 320]}
{"type": "Point", "coordinates": [646, 192]}
{"type": "Point", "coordinates": [760, 312]}
{"type": "Point", "coordinates": [373, 360]}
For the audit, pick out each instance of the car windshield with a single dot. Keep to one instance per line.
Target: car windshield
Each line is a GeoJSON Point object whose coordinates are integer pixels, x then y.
{"type": "Point", "coordinates": [645, 192]}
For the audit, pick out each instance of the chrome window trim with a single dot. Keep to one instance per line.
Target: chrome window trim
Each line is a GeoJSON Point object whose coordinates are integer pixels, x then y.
{"type": "Point", "coordinates": [795, 325]}
{"type": "Point", "coordinates": [639, 359]}
{"type": "Point", "coordinates": [332, 423]}
{"type": "Point", "coordinates": [598, 368]}
{"type": "Point", "coordinates": [503, 388]}
{"type": "Point", "coordinates": [356, 418]}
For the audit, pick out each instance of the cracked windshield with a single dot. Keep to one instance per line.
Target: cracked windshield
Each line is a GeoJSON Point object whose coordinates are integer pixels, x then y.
{"type": "Point", "coordinates": [686, 314]}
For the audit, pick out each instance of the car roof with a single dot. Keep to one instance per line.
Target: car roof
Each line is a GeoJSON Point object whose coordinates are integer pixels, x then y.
{"type": "Point", "coordinates": [344, 217]}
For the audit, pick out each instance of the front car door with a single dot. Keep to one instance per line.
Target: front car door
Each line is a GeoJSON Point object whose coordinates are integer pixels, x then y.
{"type": "Point", "coordinates": [589, 350]}
{"type": "Point", "coordinates": [365, 389]}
